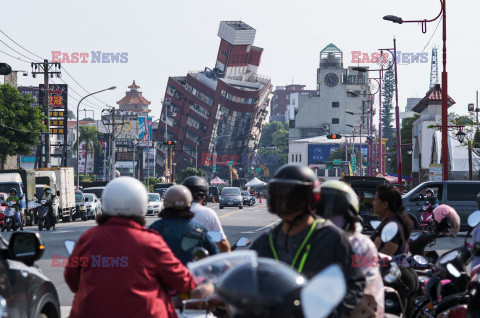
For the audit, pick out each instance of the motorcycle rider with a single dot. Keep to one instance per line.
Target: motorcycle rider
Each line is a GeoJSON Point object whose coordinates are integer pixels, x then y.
{"type": "Point", "coordinates": [13, 197]}
{"type": "Point", "coordinates": [306, 243]}
{"type": "Point", "coordinates": [177, 221]}
{"type": "Point", "coordinates": [121, 269]}
{"type": "Point", "coordinates": [49, 197]}
{"type": "Point", "coordinates": [431, 197]}
{"type": "Point", "coordinates": [339, 204]}
{"type": "Point", "coordinates": [203, 215]}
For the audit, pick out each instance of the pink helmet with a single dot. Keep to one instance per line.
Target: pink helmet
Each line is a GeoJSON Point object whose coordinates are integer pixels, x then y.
{"type": "Point", "coordinates": [447, 219]}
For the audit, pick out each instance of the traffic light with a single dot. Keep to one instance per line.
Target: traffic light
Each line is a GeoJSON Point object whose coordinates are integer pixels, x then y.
{"type": "Point", "coordinates": [170, 143]}
{"type": "Point", "coordinates": [334, 136]}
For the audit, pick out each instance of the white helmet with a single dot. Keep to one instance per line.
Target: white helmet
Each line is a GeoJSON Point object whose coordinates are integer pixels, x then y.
{"type": "Point", "coordinates": [125, 196]}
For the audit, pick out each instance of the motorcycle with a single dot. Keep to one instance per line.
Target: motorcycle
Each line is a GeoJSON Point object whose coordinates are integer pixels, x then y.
{"type": "Point", "coordinates": [426, 218]}
{"type": "Point", "coordinates": [10, 222]}
{"type": "Point", "coordinates": [42, 212]}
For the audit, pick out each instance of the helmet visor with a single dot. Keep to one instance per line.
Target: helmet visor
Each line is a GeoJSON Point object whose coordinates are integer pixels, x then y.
{"type": "Point", "coordinates": [289, 197]}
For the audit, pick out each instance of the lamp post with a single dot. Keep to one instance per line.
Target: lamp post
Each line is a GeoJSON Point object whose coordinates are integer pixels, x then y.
{"type": "Point", "coordinates": [424, 22]}
{"type": "Point", "coordinates": [78, 130]}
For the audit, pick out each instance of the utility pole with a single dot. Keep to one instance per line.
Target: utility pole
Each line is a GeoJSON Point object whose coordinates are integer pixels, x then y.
{"type": "Point", "coordinates": [45, 68]}
{"type": "Point", "coordinates": [109, 119]}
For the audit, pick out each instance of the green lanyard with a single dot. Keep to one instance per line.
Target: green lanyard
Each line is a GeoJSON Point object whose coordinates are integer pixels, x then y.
{"type": "Point", "coordinates": [305, 255]}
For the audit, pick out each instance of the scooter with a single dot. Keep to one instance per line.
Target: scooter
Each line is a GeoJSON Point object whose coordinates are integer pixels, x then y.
{"type": "Point", "coordinates": [426, 218]}
{"type": "Point", "coordinates": [10, 221]}
{"type": "Point", "coordinates": [42, 212]}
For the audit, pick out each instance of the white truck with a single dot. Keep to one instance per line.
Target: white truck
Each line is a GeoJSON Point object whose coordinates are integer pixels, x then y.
{"type": "Point", "coordinates": [62, 182]}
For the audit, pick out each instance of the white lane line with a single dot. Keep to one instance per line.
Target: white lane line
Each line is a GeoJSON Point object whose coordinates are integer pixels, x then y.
{"type": "Point", "coordinates": [262, 228]}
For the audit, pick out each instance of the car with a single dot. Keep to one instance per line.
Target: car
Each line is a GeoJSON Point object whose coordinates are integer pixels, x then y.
{"type": "Point", "coordinates": [92, 205]}
{"type": "Point", "coordinates": [213, 192]}
{"type": "Point", "coordinates": [80, 208]}
{"type": "Point", "coordinates": [459, 194]}
{"type": "Point", "coordinates": [231, 196]}
{"type": "Point", "coordinates": [365, 188]}
{"type": "Point", "coordinates": [247, 198]}
{"type": "Point", "coordinates": [155, 204]}
{"type": "Point", "coordinates": [25, 291]}
{"type": "Point", "coordinates": [95, 190]}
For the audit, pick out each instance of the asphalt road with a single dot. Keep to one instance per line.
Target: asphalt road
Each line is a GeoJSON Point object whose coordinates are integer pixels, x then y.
{"type": "Point", "coordinates": [249, 222]}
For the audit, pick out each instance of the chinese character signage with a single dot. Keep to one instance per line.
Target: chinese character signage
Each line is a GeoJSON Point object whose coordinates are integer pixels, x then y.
{"type": "Point", "coordinates": [58, 107]}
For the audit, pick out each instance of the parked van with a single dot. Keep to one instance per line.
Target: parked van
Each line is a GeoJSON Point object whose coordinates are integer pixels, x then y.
{"type": "Point", "coordinates": [461, 195]}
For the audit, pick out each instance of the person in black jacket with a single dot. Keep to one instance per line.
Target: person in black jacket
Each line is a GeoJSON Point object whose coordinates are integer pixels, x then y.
{"type": "Point", "coordinates": [306, 243]}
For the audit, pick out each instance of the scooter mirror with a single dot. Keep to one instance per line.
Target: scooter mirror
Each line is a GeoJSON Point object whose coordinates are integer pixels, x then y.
{"type": "Point", "coordinates": [453, 270]}
{"type": "Point", "coordinates": [199, 253]}
{"type": "Point", "coordinates": [3, 306]}
{"type": "Point", "coordinates": [69, 245]}
{"type": "Point", "coordinates": [389, 232]}
{"type": "Point", "coordinates": [318, 300]}
{"type": "Point", "coordinates": [474, 219]}
{"type": "Point", "coordinates": [242, 242]}
{"type": "Point", "coordinates": [215, 236]}
{"type": "Point", "coordinates": [375, 224]}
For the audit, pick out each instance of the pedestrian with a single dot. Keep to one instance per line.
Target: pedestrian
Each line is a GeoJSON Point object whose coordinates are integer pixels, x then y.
{"type": "Point", "coordinates": [176, 222]}
{"type": "Point", "coordinates": [121, 269]}
{"type": "Point", "coordinates": [304, 242]}
{"type": "Point", "coordinates": [339, 203]}
{"type": "Point", "coordinates": [207, 217]}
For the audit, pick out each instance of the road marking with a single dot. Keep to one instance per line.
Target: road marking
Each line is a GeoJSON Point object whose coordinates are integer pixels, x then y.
{"type": "Point", "coordinates": [262, 228]}
{"type": "Point", "coordinates": [228, 214]}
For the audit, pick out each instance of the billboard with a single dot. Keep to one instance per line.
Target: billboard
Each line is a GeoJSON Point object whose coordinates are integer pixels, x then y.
{"type": "Point", "coordinates": [319, 153]}
{"type": "Point", "coordinates": [81, 162]}
{"type": "Point", "coordinates": [144, 130]}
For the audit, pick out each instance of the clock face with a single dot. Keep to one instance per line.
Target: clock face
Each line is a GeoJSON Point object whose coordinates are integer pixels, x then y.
{"type": "Point", "coordinates": [331, 80]}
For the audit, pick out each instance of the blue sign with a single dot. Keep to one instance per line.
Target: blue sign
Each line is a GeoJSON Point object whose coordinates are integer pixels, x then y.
{"type": "Point", "coordinates": [27, 159]}
{"type": "Point", "coordinates": [320, 153]}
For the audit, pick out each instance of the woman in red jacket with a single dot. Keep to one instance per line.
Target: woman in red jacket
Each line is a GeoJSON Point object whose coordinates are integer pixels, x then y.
{"type": "Point", "coordinates": [121, 269]}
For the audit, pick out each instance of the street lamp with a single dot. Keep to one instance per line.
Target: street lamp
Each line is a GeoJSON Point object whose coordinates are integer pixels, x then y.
{"type": "Point", "coordinates": [78, 130]}
{"type": "Point", "coordinates": [424, 22]}
{"type": "Point", "coordinates": [409, 151]}
{"type": "Point", "coordinates": [460, 136]}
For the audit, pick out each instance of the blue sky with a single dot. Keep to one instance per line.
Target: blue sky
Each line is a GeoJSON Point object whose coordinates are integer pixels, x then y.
{"type": "Point", "coordinates": [171, 37]}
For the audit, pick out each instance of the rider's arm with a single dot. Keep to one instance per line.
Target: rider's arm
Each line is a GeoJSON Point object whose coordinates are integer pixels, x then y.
{"type": "Point", "coordinates": [224, 246]}
{"type": "Point", "coordinates": [170, 271]}
{"type": "Point", "coordinates": [389, 248]}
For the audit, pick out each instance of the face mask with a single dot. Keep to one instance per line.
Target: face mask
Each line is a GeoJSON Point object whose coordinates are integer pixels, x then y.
{"type": "Point", "coordinates": [48, 191]}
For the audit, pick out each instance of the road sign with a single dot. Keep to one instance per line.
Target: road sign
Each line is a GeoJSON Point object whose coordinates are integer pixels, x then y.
{"type": "Point", "coordinates": [258, 169]}
{"type": "Point", "coordinates": [354, 164]}
{"type": "Point", "coordinates": [337, 161]}
{"type": "Point", "coordinates": [214, 168]}
{"type": "Point", "coordinates": [366, 163]}
{"type": "Point", "coordinates": [230, 163]}
{"type": "Point", "coordinates": [329, 167]}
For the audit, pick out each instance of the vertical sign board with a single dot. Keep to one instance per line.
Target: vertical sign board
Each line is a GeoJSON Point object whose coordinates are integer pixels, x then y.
{"type": "Point", "coordinates": [58, 111]}
{"type": "Point", "coordinates": [435, 172]}
{"type": "Point", "coordinates": [144, 131]}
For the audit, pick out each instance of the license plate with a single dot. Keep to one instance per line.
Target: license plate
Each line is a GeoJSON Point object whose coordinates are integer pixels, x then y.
{"type": "Point", "coordinates": [230, 203]}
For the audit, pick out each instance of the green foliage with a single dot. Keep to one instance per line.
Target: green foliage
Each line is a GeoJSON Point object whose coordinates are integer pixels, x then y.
{"type": "Point", "coordinates": [152, 182]}
{"type": "Point", "coordinates": [274, 142]}
{"type": "Point", "coordinates": [70, 115]}
{"type": "Point", "coordinates": [406, 135]}
{"type": "Point", "coordinates": [20, 123]}
{"type": "Point", "coordinates": [388, 92]}
{"type": "Point", "coordinates": [181, 175]}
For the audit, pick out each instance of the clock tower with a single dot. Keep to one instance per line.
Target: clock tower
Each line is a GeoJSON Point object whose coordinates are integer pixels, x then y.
{"type": "Point", "coordinates": [329, 74]}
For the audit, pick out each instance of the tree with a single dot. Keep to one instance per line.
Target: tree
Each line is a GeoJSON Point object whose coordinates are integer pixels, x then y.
{"type": "Point", "coordinates": [388, 91]}
{"type": "Point", "coordinates": [406, 135]}
{"type": "Point", "coordinates": [20, 123]}
{"type": "Point", "coordinates": [188, 172]}
{"type": "Point", "coordinates": [89, 135]}
{"type": "Point", "coordinates": [273, 147]}
{"type": "Point", "coordinates": [70, 114]}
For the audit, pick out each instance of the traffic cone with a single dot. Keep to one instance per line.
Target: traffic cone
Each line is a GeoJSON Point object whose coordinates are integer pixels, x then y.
{"type": "Point", "coordinates": [260, 200]}
{"type": "Point", "coordinates": [213, 199]}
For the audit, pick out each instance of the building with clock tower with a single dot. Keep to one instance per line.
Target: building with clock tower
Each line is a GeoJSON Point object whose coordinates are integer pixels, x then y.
{"type": "Point", "coordinates": [339, 90]}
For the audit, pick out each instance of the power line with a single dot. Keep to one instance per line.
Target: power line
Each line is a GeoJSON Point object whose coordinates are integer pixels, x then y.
{"type": "Point", "coordinates": [17, 58]}
{"type": "Point", "coordinates": [20, 45]}
{"type": "Point", "coordinates": [17, 51]}
{"type": "Point", "coordinates": [82, 86]}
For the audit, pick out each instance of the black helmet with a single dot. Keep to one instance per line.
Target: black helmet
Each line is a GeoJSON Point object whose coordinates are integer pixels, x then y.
{"type": "Point", "coordinates": [198, 186]}
{"type": "Point", "coordinates": [13, 189]}
{"type": "Point", "coordinates": [429, 190]}
{"type": "Point", "coordinates": [293, 188]}
{"type": "Point", "coordinates": [265, 289]}
{"type": "Point", "coordinates": [338, 199]}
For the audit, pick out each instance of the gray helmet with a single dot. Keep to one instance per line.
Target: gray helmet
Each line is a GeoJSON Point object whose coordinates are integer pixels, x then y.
{"type": "Point", "coordinates": [177, 197]}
